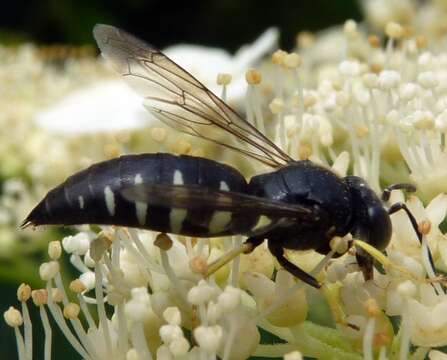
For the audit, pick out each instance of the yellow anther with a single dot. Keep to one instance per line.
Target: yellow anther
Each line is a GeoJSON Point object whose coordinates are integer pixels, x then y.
{"type": "Point", "coordinates": [198, 152]}
{"type": "Point", "coordinates": [71, 311]}
{"type": "Point", "coordinates": [158, 134]}
{"type": "Point", "coordinates": [376, 68]}
{"type": "Point", "coordinates": [111, 151]}
{"type": "Point", "coordinates": [77, 286]}
{"type": "Point", "coordinates": [198, 265]}
{"type": "Point", "coordinates": [223, 79]}
{"type": "Point", "coordinates": [304, 151]}
{"type": "Point", "coordinates": [350, 28]}
{"type": "Point", "coordinates": [382, 339]}
{"type": "Point", "coordinates": [374, 41]}
{"type": "Point", "coordinates": [182, 147]}
{"type": "Point", "coordinates": [394, 30]}
{"type": "Point", "coordinates": [57, 295]}
{"type": "Point", "coordinates": [13, 317]}
{"type": "Point", "coordinates": [253, 77]}
{"type": "Point", "coordinates": [408, 31]}
{"type": "Point", "coordinates": [54, 250]}
{"type": "Point", "coordinates": [305, 39]}
{"type": "Point", "coordinates": [40, 297]}
{"type": "Point", "coordinates": [309, 101]}
{"type": "Point", "coordinates": [163, 242]}
{"type": "Point", "coordinates": [278, 57]}
{"type": "Point", "coordinates": [372, 307]}
{"type": "Point", "coordinates": [361, 131]}
{"type": "Point", "coordinates": [421, 42]}
{"type": "Point", "coordinates": [292, 61]}
{"type": "Point", "coordinates": [424, 227]}
{"type": "Point", "coordinates": [23, 292]}
{"type": "Point", "coordinates": [276, 106]}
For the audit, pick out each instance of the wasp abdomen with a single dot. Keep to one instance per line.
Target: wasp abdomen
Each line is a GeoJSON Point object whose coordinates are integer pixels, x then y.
{"type": "Point", "coordinates": [94, 196]}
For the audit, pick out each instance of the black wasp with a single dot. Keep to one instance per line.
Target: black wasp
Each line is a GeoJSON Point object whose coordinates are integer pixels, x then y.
{"type": "Point", "coordinates": [299, 205]}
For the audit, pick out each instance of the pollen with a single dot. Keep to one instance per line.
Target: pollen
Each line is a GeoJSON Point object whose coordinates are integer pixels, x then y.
{"type": "Point", "coordinates": [276, 106]}
{"type": "Point", "coordinates": [158, 134]}
{"type": "Point", "coordinates": [278, 57]}
{"type": "Point", "coordinates": [54, 250]}
{"type": "Point", "coordinates": [375, 68]}
{"type": "Point", "coordinates": [71, 311]}
{"type": "Point", "coordinates": [309, 100]}
{"type": "Point", "coordinates": [304, 151]}
{"type": "Point", "coordinates": [198, 265]}
{"type": "Point", "coordinates": [163, 241]}
{"type": "Point", "coordinates": [421, 41]}
{"type": "Point", "coordinates": [13, 317]}
{"type": "Point", "coordinates": [40, 297]}
{"type": "Point", "coordinates": [305, 39]}
{"type": "Point", "coordinates": [23, 292]}
{"type": "Point", "coordinates": [253, 77]}
{"type": "Point", "coordinates": [77, 286]}
{"type": "Point", "coordinates": [292, 61]}
{"type": "Point", "coordinates": [111, 151]}
{"type": "Point", "coordinates": [181, 147]}
{"type": "Point", "coordinates": [350, 28]}
{"type": "Point", "coordinates": [372, 307]}
{"type": "Point", "coordinates": [374, 41]}
{"type": "Point", "coordinates": [382, 339]}
{"type": "Point", "coordinates": [424, 227]}
{"type": "Point", "coordinates": [361, 131]}
{"type": "Point", "coordinates": [394, 30]}
{"type": "Point", "coordinates": [223, 79]}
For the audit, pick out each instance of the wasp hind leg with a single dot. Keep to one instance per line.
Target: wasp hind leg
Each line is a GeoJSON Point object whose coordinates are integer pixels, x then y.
{"type": "Point", "coordinates": [252, 243]}
{"type": "Point", "coordinates": [277, 250]}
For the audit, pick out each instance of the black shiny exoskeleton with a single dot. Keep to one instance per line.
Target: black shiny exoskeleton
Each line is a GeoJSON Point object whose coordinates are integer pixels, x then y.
{"type": "Point", "coordinates": [299, 205]}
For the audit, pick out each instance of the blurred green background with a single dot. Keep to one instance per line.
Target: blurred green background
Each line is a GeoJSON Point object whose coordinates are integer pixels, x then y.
{"type": "Point", "coordinates": [226, 24]}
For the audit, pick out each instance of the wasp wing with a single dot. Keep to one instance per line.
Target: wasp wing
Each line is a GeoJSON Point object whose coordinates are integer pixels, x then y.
{"type": "Point", "coordinates": [180, 100]}
{"type": "Point", "coordinates": [194, 197]}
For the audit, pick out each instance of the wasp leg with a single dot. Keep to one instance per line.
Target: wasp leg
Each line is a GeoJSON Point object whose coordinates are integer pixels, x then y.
{"type": "Point", "coordinates": [402, 186]}
{"type": "Point", "coordinates": [401, 206]}
{"type": "Point", "coordinates": [252, 243]}
{"type": "Point", "coordinates": [278, 251]}
{"type": "Point", "coordinates": [365, 262]}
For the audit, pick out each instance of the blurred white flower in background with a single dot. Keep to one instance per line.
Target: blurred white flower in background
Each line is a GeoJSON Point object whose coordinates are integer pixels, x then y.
{"type": "Point", "coordinates": [111, 106]}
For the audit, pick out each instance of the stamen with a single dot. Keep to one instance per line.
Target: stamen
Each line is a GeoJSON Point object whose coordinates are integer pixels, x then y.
{"type": "Point", "coordinates": [141, 256]}
{"type": "Point", "coordinates": [224, 80]}
{"type": "Point", "coordinates": [122, 329]}
{"type": "Point", "coordinates": [47, 332]}
{"type": "Point", "coordinates": [23, 294]}
{"type": "Point", "coordinates": [177, 285]}
{"type": "Point", "coordinates": [78, 288]}
{"type": "Point", "coordinates": [103, 320]}
{"type": "Point", "coordinates": [152, 265]}
{"type": "Point", "coordinates": [373, 310]}
{"type": "Point", "coordinates": [237, 242]}
{"type": "Point", "coordinates": [13, 318]}
{"type": "Point", "coordinates": [226, 258]}
{"type": "Point", "coordinates": [253, 99]}
{"type": "Point", "coordinates": [60, 321]}
{"type": "Point", "coordinates": [230, 338]}
{"type": "Point", "coordinates": [139, 341]}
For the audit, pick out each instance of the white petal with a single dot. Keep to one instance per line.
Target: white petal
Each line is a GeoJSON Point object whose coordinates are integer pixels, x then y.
{"type": "Point", "coordinates": [436, 210]}
{"type": "Point", "coordinates": [249, 54]}
{"type": "Point", "coordinates": [103, 107]}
